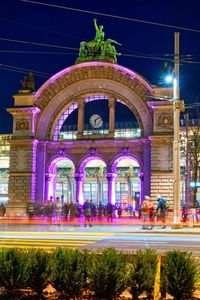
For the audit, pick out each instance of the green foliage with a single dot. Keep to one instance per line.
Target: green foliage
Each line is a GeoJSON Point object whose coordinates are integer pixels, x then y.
{"type": "Point", "coordinates": [180, 273]}
{"type": "Point", "coordinates": [14, 270]}
{"type": "Point", "coordinates": [106, 274]}
{"type": "Point", "coordinates": [142, 270]}
{"type": "Point", "coordinates": [39, 270]}
{"type": "Point", "coordinates": [69, 271]}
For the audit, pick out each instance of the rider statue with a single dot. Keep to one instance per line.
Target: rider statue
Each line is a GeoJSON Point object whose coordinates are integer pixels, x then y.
{"type": "Point", "coordinates": [28, 83]}
{"type": "Point", "coordinates": [99, 37]}
{"type": "Point", "coordinates": [98, 48]}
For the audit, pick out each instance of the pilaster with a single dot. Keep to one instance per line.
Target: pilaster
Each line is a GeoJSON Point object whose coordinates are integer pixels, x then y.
{"type": "Point", "coordinates": [111, 178]}
{"type": "Point", "coordinates": [111, 104]}
{"type": "Point", "coordinates": [79, 177]}
{"type": "Point", "coordinates": [22, 176]}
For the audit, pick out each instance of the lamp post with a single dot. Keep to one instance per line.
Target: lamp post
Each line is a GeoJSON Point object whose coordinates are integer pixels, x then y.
{"type": "Point", "coordinates": [177, 107]}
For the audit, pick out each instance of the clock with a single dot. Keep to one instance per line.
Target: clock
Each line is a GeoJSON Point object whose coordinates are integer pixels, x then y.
{"type": "Point", "coordinates": [96, 121]}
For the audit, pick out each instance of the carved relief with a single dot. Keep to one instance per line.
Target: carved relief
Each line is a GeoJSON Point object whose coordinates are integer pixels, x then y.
{"type": "Point", "coordinates": [163, 120]}
{"type": "Point", "coordinates": [22, 124]}
{"type": "Point", "coordinates": [91, 72]}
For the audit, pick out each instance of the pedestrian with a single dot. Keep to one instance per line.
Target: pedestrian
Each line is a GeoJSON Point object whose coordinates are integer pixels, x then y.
{"type": "Point", "coordinates": [49, 210]}
{"type": "Point", "coordinates": [77, 213]}
{"type": "Point", "coordinates": [100, 211]}
{"type": "Point", "coordinates": [109, 212]}
{"type": "Point", "coordinates": [161, 210]}
{"type": "Point", "coordinates": [147, 210]}
{"type": "Point", "coordinates": [119, 211]}
{"type": "Point", "coordinates": [58, 208]}
{"type": "Point", "coordinates": [87, 208]}
{"type": "Point", "coordinates": [66, 208]}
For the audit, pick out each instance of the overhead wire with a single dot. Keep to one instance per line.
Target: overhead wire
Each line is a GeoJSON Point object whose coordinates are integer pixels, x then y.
{"type": "Point", "coordinates": [112, 16]}
{"type": "Point", "coordinates": [37, 44]}
{"type": "Point", "coordinates": [23, 70]}
{"type": "Point", "coordinates": [39, 28]}
{"type": "Point", "coordinates": [36, 52]}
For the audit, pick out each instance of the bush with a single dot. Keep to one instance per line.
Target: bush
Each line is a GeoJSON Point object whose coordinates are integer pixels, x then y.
{"type": "Point", "coordinates": [142, 272]}
{"type": "Point", "coordinates": [179, 274]}
{"type": "Point", "coordinates": [39, 270]}
{"type": "Point", "coordinates": [69, 271]}
{"type": "Point", "coordinates": [14, 271]}
{"type": "Point", "coordinates": [106, 274]}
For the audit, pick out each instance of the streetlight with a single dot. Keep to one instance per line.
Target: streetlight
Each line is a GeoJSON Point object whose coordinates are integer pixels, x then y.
{"type": "Point", "coordinates": [178, 105]}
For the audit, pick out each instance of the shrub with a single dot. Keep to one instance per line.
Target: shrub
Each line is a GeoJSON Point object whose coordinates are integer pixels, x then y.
{"type": "Point", "coordinates": [14, 271]}
{"type": "Point", "coordinates": [69, 271]}
{"type": "Point", "coordinates": [179, 274]}
{"type": "Point", "coordinates": [142, 272]}
{"type": "Point", "coordinates": [39, 270]}
{"type": "Point", "coordinates": [106, 274]}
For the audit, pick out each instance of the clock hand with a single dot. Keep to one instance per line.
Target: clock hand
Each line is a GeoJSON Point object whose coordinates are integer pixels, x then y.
{"type": "Point", "coordinates": [95, 121]}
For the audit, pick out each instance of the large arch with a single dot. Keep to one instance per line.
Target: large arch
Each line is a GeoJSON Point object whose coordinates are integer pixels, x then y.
{"type": "Point", "coordinates": [68, 107]}
{"type": "Point", "coordinates": [100, 77]}
{"type": "Point", "coordinates": [51, 175]}
{"type": "Point", "coordinates": [125, 155]}
{"type": "Point", "coordinates": [87, 158]}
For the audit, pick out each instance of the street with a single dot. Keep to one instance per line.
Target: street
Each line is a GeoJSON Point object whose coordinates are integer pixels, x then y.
{"type": "Point", "coordinates": [122, 237]}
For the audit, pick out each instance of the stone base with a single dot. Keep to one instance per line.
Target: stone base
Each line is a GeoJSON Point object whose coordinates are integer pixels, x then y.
{"type": "Point", "coordinates": [16, 210]}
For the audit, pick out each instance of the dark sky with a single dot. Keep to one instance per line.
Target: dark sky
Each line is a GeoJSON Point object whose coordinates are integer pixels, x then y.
{"type": "Point", "coordinates": [64, 28]}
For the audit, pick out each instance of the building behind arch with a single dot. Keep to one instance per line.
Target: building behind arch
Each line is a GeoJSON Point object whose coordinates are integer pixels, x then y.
{"type": "Point", "coordinates": [94, 130]}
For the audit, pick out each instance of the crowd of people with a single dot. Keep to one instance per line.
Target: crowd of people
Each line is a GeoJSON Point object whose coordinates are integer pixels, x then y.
{"type": "Point", "coordinates": [55, 210]}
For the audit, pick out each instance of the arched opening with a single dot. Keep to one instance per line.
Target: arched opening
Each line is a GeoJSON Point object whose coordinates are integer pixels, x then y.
{"type": "Point", "coordinates": [95, 183]}
{"type": "Point", "coordinates": [127, 184]}
{"type": "Point", "coordinates": [96, 119]}
{"type": "Point", "coordinates": [60, 180]}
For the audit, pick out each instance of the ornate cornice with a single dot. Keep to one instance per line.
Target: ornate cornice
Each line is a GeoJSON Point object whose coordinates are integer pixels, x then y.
{"type": "Point", "coordinates": [88, 71]}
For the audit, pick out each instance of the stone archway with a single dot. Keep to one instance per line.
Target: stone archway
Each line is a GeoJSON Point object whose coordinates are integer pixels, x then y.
{"type": "Point", "coordinates": [35, 118]}
{"type": "Point", "coordinates": [75, 82]}
{"type": "Point", "coordinates": [59, 179]}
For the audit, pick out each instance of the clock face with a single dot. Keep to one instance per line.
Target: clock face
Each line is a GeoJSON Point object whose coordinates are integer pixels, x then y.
{"type": "Point", "coordinates": [96, 121]}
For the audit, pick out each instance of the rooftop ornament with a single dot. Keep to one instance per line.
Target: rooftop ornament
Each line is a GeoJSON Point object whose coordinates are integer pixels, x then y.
{"type": "Point", "coordinates": [28, 84]}
{"type": "Point", "coordinates": [98, 49]}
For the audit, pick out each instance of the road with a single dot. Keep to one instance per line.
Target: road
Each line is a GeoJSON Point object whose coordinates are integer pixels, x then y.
{"type": "Point", "coordinates": [127, 238]}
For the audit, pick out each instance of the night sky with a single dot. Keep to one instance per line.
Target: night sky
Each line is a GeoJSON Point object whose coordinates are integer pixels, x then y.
{"type": "Point", "coordinates": [61, 30]}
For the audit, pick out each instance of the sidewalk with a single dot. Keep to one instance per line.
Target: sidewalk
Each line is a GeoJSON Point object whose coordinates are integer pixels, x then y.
{"type": "Point", "coordinates": [122, 225]}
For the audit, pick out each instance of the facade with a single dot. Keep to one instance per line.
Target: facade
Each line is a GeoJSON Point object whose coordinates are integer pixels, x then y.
{"type": "Point", "coordinates": [69, 141]}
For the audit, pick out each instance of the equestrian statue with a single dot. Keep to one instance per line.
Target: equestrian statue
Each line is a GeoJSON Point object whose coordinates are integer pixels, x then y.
{"type": "Point", "coordinates": [99, 48]}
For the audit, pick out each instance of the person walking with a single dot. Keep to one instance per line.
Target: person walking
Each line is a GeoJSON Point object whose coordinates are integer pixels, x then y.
{"type": "Point", "coordinates": [87, 209]}
{"type": "Point", "coordinates": [147, 210]}
{"type": "Point", "coordinates": [49, 210]}
{"type": "Point", "coordinates": [161, 210]}
{"type": "Point", "coordinates": [66, 208]}
{"type": "Point", "coordinates": [109, 212]}
{"type": "Point", "coordinates": [58, 208]}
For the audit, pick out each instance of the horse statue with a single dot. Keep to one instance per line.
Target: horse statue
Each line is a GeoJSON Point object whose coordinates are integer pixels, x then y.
{"type": "Point", "coordinates": [98, 48]}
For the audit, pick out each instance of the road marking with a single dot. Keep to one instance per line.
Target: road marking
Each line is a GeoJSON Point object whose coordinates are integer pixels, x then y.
{"type": "Point", "coordinates": [65, 233]}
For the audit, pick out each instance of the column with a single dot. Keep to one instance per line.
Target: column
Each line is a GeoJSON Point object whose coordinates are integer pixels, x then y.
{"type": "Point", "coordinates": [40, 177]}
{"type": "Point", "coordinates": [111, 187]}
{"type": "Point", "coordinates": [141, 176]}
{"type": "Point", "coordinates": [49, 186]}
{"type": "Point", "coordinates": [147, 169]}
{"type": "Point", "coordinates": [99, 190]}
{"type": "Point", "coordinates": [79, 187]}
{"type": "Point", "coordinates": [111, 104]}
{"type": "Point", "coordinates": [81, 106]}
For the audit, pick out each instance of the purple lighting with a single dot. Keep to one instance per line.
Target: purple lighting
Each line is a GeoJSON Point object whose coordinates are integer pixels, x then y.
{"type": "Point", "coordinates": [52, 80]}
